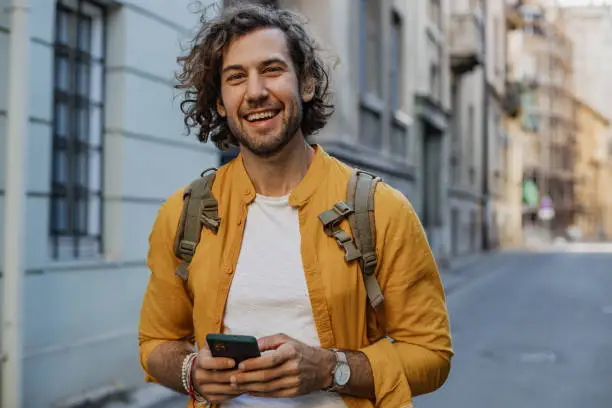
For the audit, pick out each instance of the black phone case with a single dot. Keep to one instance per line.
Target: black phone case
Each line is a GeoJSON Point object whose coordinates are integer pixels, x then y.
{"type": "Point", "coordinates": [238, 348]}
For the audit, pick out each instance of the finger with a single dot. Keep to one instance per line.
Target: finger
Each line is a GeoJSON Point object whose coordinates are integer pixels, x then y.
{"type": "Point", "coordinates": [215, 363]}
{"type": "Point", "coordinates": [240, 378]}
{"type": "Point", "coordinates": [271, 387]}
{"type": "Point", "coordinates": [219, 399]}
{"type": "Point", "coordinates": [284, 393]}
{"type": "Point", "coordinates": [218, 389]}
{"type": "Point", "coordinates": [205, 352]}
{"type": "Point", "coordinates": [267, 361]}
{"type": "Point", "coordinates": [202, 376]}
{"type": "Point", "coordinates": [272, 342]}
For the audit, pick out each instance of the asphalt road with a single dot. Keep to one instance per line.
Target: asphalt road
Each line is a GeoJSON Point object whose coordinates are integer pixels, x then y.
{"type": "Point", "coordinates": [532, 330]}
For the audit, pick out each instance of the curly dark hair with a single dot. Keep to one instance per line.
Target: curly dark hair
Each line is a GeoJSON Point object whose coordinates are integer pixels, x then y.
{"type": "Point", "coordinates": [201, 69]}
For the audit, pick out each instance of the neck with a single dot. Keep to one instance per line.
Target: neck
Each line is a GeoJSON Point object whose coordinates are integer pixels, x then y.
{"type": "Point", "coordinates": [278, 175]}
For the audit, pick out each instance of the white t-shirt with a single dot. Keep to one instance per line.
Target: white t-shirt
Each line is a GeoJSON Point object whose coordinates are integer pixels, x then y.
{"type": "Point", "coordinates": [269, 295]}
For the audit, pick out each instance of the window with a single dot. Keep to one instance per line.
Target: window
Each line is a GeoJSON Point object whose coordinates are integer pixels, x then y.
{"type": "Point", "coordinates": [370, 73]}
{"type": "Point", "coordinates": [473, 230]}
{"type": "Point", "coordinates": [395, 90]}
{"type": "Point", "coordinates": [471, 136]}
{"type": "Point", "coordinates": [435, 68]}
{"type": "Point", "coordinates": [457, 134]}
{"type": "Point", "coordinates": [370, 49]}
{"type": "Point", "coordinates": [398, 129]}
{"type": "Point", "coordinates": [76, 181]}
{"type": "Point", "coordinates": [435, 12]}
{"type": "Point", "coordinates": [499, 46]}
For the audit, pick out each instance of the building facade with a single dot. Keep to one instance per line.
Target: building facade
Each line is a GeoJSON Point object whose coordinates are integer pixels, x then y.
{"type": "Point", "coordinates": [468, 62]}
{"type": "Point", "coordinates": [410, 94]}
{"type": "Point", "coordinates": [479, 215]}
{"type": "Point", "coordinates": [419, 90]}
{"type": "Point", "coordinates": [391, 87]}
{"type": "Point", "coordinates": [591, 27]}
{"type": "Point", "coordinates": [592, 175]}
{"type": "Point", "coordinates": [105, 148]}
{"type": "Point", "coordinates": [542, 58]}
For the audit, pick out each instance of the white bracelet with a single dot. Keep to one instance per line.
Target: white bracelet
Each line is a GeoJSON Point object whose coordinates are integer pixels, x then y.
{"type": "Point", "coordinates": [188, 382]}
{"type": "Point", "coordinates": [186, 372]}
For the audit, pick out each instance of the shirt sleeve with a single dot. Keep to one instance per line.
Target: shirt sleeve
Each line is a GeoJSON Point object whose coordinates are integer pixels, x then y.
{"type": "Point", "coordinates": [419, 356]}
{"type": "Point", "coordinates": [166, 312]}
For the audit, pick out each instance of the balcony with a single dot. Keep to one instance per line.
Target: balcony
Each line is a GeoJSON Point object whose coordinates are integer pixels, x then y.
{"type": "Point", "coordinates": [466, 48]}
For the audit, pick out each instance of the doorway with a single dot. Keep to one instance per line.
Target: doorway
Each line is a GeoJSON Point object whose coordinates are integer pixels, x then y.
{"type": "Point", "coordinates": [432, 165]}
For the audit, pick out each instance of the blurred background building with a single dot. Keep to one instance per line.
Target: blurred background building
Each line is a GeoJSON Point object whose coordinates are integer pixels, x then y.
{"type": "Point", "coordinates": [542, 62]}
{"type": "Point", "coordinates": [484, 113]}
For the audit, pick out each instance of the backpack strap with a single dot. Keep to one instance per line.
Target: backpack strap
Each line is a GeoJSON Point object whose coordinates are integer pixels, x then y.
{"type": "Point", "coordinates": [359, 210]}
{"type": "Point", "coordinates": [199, 210]}
{"type": "Point", "coordinates": [360, 196]}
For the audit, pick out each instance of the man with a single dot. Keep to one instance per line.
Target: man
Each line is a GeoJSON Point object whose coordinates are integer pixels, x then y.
{"type": "Point", "coordinates": [254, 79]}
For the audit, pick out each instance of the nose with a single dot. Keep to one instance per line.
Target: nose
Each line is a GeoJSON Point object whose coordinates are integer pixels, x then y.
{"type": "Point", "coordinates": [256, 89]}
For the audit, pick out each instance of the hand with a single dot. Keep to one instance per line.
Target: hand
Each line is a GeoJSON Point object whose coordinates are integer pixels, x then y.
{"type": "Point", "coordinates": [211, 377]}
{"type": "Point", "coordinates": [291, 368]}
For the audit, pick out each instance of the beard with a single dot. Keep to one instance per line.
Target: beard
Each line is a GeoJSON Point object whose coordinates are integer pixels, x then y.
{"type": "Point", "coordinates": [271, 144]}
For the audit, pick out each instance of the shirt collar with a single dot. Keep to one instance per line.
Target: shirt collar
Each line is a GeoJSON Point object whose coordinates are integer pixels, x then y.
{"type": "Point", "coordinates": [303, 191]}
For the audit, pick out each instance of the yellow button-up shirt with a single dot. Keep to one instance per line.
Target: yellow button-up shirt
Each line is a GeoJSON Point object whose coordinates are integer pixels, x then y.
{"type": "Point", "coordinates": [417, 362]}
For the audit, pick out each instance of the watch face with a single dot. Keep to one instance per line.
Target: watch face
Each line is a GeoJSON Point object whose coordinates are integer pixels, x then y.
{"type": "Point", "coordinates": [343, 373]}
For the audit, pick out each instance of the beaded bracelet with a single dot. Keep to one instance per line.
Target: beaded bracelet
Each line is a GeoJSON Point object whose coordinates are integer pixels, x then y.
{"type": "Point", "coordinates": [186, 372]}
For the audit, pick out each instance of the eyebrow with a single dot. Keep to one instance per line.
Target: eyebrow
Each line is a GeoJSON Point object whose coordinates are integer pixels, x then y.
{"type": "Point", "coordinates": [266, 63]}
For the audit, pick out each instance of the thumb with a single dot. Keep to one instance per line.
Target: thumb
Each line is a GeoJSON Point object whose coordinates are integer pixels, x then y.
{"type": "Point", "coordinates": [205, 352]}
{"type": "Point", "coordinates": [272, 342]}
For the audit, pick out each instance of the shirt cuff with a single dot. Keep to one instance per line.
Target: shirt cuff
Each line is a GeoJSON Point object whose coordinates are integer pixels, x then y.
{"type": "Point", "coordinates": [146, 348]}
{"type": "Point", "coordinates": [390, 383]}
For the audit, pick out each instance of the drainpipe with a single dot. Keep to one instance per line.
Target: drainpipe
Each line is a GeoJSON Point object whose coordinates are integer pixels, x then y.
{"type": "Point", "coordinates": [14, 204]}
{"type": "Point", "coordinates": [486, 200]}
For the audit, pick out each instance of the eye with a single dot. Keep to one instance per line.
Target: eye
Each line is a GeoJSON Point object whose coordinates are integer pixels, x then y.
{"type": "Point", "coordinates": [273, 69]}
{"type": "Point", "coordinates": [235, 77]}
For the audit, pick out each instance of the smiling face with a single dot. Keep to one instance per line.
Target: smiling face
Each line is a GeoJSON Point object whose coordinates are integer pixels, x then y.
{"type": "Point", "coordinates": [260, 92]}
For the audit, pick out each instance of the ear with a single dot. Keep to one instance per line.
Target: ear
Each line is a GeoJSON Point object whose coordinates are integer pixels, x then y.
{"type": "Point", "coordinates": [308, 89]}
{"type": "Point", "coordinates": [220, 108]}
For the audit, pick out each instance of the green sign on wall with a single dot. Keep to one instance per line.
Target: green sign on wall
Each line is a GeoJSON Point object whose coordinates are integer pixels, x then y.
{"type": "Point", "coordinates": [531, 195]}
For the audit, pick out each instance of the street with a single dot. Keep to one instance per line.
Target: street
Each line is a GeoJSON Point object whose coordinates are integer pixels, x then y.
{"type": "Point", "coordinates": [529, 330]}
{"type": "Point", "coordinates": [533, 331]}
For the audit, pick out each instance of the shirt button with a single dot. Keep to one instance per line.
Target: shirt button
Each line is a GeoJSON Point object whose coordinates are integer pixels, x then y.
{"type": "Point", "coordinates": [228, 270]}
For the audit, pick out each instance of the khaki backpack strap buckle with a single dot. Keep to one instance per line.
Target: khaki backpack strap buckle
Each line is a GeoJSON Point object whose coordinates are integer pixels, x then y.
{"type": "Point", "coordinates": [187, 247]}
{"type": "Point", "coordinates": [374, 292]}
{"type": "Point", "coordinates": [369, 263]}
{"type": "Point", "coordinates": [331, 218]}
{"type": "Point", "coordinates": [208, 214]}
{"type": "Point", "coordinates": [342, 208]}
{"type": "Point", "coordinates": [344, 240]}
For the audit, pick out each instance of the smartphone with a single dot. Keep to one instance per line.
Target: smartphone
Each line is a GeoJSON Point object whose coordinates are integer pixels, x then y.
{"type": "Point", "coordinates": [236, 347]}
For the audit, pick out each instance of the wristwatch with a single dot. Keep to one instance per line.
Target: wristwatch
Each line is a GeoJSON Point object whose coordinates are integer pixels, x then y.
{"type": "Point", "coordinates": [341, 373]}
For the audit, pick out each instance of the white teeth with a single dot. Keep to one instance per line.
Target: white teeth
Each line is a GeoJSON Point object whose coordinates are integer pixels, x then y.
{"type": "Point", "coordinates": [260, 116]}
